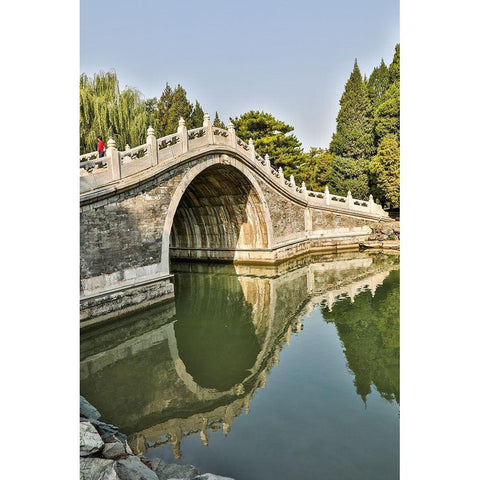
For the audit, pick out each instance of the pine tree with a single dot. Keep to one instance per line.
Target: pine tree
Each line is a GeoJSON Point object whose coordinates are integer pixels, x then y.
{"type": "Point", "coordinates": [217, 122]}
{"type": "Point", "coordinates": [197, 116]}
{"type": "Point", "coordinates": [164, 105]}
{"type": "Point", "coordinates": [354, 135]}
{"type": "Point", "coordinates": [394, 67]}
{"type": "Point", "coordinates": [349, 174]}
{"type": "Point", "coordinates": [180, 107]}
{"type": "Point", "coordinates": [387, 114]}
{"type": "Point", "coordinates": [378, 84]}
{"type": "Point", "coordinates": [385, 169]}
{"type": "Point", "coordinates": [271, 136]}
{"type": "Point", "coordinates": [316, 169]}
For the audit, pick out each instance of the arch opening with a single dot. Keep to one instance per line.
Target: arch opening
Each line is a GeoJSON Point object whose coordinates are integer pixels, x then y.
{"type": "Point", "coordinates": [219, 215]}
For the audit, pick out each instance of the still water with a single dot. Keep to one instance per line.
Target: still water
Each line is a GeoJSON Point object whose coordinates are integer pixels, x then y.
{"type": "Point", "coordinates": [287, 372]}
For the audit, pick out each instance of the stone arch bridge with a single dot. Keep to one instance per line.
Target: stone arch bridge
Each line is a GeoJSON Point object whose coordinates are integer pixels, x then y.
{"type": "Point", "coordinates": [200, 194]}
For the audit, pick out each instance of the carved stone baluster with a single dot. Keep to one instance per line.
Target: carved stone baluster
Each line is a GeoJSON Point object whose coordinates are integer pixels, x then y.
{"type": "Point", "coordinates": [152, 149]}
{"type": "Point", "coordinates": [232, 136]}
{"type": "Point", "coordinates": [207, 124]}
{"type": "Point", "coordinates": [268, 167]}
{"type": "Point", "coordinates": [183, 134]}
{"type": "Point", "coordinates": [251, 150]}
{"type": "Point", "coordinates": [349, 202]}
{"type": "Point", "coordinates": [113, 160]}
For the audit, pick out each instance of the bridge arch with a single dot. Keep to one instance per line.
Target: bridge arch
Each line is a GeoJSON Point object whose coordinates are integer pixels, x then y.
{"type": "Point", "coordinates": [218, 211]}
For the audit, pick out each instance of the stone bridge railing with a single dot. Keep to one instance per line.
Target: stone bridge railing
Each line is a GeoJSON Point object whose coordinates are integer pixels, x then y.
{"type": "Point", "coordinates": [116, 165]}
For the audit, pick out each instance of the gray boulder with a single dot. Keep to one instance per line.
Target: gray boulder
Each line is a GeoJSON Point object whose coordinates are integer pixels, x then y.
{"type": "Point", "coordinates": [170, 471]}
{"type": "Point", "coordinates": [113, 450]}
{"type": "Point", "coordinates": [97, 469]}
{"type": "Point", "coordinates": [90, 440]}
{"type": "Point", "coordinates": [87, 410]}
{"type": "Point", "coordinates": [107, 430]}
{"type": "Point", "coordinates": [132, 468]}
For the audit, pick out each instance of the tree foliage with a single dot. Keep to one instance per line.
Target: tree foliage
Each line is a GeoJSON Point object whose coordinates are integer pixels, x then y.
{"type": "Point", "coordinates": [354, 135]}
{"type": "Point", "coordinates": [273, 137]}
{"type": "Point", "coordinates": [316, 169]}
{"type": "Point", "coordinates": [387, 114]}
{"type": "Point", "coordinates": [179, 107]}
{"type": "Point", "coordinates": [109, 112]}
{"type": "Point", "coordinates": [217, 122]}
{"type": "Point", "coordinates": [197, 116]}
{"type": "Point", "coordinates": [377, 84]}
{"type": "Point", "coordinates": [385, 170]}
{"type": "Point", "coordinates": [370, 332]}
{"type": "Point", "coordinates": [349, 174]}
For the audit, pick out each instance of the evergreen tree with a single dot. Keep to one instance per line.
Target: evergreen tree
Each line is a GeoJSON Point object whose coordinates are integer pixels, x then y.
{"type": "Point", "coordinates": [354, 135]}
{"type": "Point", "coordinates": [164, 105]}
{"type": "Point", "coordinates": [387, 114]}
{"type": "Point", "coordinates": [385, 170]}
{"type": "Point", "coordinates": [349, 174]}
{"type": "Point", "coordinates": [378, 84]}
{"type": "Point", "coordinates": [180, 107]}
{"type": "Point", "coordinates": [394, 67]}
{"type": "Point", "coordinates": [316, 169]}
{"type": "Point", "coordinates": [197, 116]}
{"type": "Point", "coordinates": [217, 122]}
{"type": "Point", "coordinates": [271, 136]}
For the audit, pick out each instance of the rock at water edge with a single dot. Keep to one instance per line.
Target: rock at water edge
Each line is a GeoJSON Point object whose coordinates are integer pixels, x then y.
{"type": "Point", "coordinates": [166, 471]}
{"type": "Point", "coordinates": [113, 450]}
{"type": "Point", "coordinates": [133, 469]}
{"type": "Point", "coordinates": [97, 468]}
{"type": "Point", "coordinates": [90, 440]}
{"type": "Point", "coordinates": [87, 410]}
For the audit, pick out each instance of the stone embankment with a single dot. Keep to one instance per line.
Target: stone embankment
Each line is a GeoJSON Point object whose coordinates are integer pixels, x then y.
{"type": "Point", "coordinates": [384, 235]}
{"type": "Point", "coordinates": [105, 454]}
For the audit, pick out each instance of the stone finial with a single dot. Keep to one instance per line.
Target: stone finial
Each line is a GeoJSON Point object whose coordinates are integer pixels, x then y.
{"type": "Point", "coordinates": [127, 147]}
{"type": "Point", "coordinates": [280, 172]}
{"type": "Point", "coordinates": [231, 134]}
{"type": "Point", "coordinates": [206, 120]}
{"type": "Point", "coordinates": [349, 201]}
{"type": "Point", "coordinates": [327, 195]}
{"type": "Point", "coordinates": [251, 149]}
{"type": "Point", "coordinates": [111, 143]}
{"type": "Point", "coordinates": [327, 191]}
{"type": "Point", "coordinates": [150, 130]}
{"type": "Point", "coordinates": [267, 157]}
{"type": "Point", "coordinates": [292, 180]}
{"type": "Point", "coordinates": [304, 187]}
{"type": "Point", "coordinates": [181, 122]}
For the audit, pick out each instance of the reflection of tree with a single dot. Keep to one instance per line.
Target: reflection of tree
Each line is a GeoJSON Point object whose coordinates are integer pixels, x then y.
{"type": "Point", "coordinates": [369, 330]}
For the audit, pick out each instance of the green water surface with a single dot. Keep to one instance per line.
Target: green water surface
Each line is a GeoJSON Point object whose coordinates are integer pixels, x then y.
{"type": "Point", "coordinates": [288, 372]}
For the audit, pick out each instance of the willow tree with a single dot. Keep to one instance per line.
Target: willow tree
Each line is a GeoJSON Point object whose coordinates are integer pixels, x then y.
{"type": "Point", "coordinates": [109, 112]}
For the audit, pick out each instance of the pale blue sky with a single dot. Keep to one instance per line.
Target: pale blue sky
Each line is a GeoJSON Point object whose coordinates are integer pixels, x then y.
{"type": "Point", "coordinates": [289, 58]}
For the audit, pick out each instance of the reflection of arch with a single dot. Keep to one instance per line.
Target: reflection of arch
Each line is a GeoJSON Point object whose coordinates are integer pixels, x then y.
{"type": "Point", "coordinates": [252, 219]}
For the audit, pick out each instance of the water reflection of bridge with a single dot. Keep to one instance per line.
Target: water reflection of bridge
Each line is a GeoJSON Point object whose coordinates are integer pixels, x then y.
{"type": "Point", "coordinates": [144, 379]}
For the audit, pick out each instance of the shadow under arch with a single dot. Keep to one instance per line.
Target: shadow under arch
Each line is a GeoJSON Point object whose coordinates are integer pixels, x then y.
{"type": "Point", "coordinates": [217, 210]}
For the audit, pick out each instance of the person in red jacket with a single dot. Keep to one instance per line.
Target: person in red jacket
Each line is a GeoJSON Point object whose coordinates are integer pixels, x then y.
{"type": "Point", "coordinates": [100, 147]}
